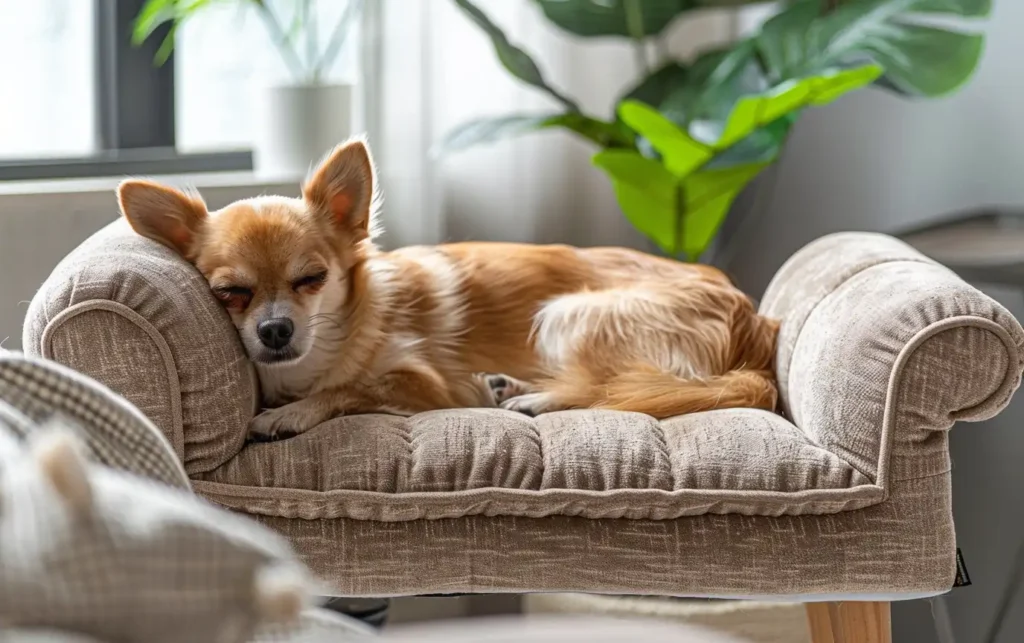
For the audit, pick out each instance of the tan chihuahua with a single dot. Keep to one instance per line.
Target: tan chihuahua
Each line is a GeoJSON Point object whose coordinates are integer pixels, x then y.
{"type": "Point", "coordinates": [336, 326]}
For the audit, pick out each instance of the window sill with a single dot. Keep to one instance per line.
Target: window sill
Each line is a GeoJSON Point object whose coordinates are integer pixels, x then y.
{"type": "Point", "coordinates": [107, 184]}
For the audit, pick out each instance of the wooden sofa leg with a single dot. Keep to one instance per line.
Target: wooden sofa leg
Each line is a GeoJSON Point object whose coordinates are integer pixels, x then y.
{"type": "Point", "coordinates": [849, 622]}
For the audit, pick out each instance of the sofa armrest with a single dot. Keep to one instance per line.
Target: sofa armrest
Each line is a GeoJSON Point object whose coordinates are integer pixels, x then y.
{"type": "Point", "coordinates": [134, 316]}
{"type": "Point", "coordinates": [881, 350]}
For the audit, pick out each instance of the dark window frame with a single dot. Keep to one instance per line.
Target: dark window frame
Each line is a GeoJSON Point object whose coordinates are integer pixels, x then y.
{"type": "Point", "coordinates": [135, 112]}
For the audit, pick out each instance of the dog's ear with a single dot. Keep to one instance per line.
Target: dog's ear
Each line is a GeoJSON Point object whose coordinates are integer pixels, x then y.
{"type": "Point", "coordinates": [340, 190]}
{"type": "Point", "coordinates": [163, 213]}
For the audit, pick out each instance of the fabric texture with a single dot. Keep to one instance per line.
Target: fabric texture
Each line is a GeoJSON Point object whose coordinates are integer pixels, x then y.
{"type": "Point", "coordinates": [103, 553]}
{"type": "Point", "coordinates": [881, 351]}
{"type": "Point", "coordinates": [597, 464]}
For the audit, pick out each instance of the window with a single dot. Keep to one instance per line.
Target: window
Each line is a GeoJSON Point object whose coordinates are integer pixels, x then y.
{"type": "Point", "coordinates": [46, 64]}
{"type": "Point", "coordinates": [79, 100]}
{"type": "Point", "coordinates": [219, 80]}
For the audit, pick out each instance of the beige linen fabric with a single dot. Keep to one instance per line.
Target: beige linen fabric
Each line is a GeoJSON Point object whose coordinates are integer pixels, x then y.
{"type": "Point", "coordinates": [881, 350]}
{"type": "Point", "coordinates": [902, 546]}
{"type": "Point", "coordinates": [596, 464]}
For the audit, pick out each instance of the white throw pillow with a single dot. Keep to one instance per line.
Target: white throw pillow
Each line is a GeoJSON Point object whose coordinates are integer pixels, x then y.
{"type": "Point", "coordinates": [102, 553]}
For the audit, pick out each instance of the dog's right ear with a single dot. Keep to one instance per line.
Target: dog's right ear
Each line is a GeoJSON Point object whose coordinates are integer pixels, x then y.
{"type": "Point", "coordinates": [163, 213]}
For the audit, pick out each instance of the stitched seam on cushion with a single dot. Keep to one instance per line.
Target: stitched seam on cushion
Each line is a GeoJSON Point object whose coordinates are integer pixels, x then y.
{"type": "Point", "coordinates": [903, 358]}
{"type": "Point", "coordinates": [663, 443]}
{"type": "Point", "coordinates": [835, 287]}
{"type": "Point", "coordinates": [390, 507]}
{"type": "Point", "coordinates": [173, 384]}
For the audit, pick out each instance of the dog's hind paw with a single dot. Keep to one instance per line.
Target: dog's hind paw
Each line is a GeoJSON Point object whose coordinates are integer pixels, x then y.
{"type": "Point", "coordinates": [505, 388]}
{"type": "Point", "coordinates": [531, 404]}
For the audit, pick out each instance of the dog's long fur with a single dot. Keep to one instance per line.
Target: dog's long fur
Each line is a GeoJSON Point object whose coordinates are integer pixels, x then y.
{"type": "Point", "coordinates": [418, 328]}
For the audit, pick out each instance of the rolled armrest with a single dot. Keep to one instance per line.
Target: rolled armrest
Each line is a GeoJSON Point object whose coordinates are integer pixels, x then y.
{"type": "Point", "coordinates": [881, 350]}
{"type": "Point", "coordinates": [133, 315]}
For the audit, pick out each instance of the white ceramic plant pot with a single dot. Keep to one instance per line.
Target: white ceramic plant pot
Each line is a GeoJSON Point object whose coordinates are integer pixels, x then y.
{"type": "Point", "coordinates": [298, 124]}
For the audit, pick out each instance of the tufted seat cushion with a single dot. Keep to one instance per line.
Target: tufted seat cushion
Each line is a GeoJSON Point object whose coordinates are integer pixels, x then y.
{"type": "Point", "coordinates": [597, 464]}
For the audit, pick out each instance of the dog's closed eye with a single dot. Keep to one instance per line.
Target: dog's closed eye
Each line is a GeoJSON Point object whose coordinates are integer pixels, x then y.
{"type": "Point", "coordinates": [310, 281]}
{"type": "Point", "coordinates": [234, 296]}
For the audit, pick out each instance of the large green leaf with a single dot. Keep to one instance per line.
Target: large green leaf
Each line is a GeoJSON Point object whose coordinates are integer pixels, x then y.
{"type": "Point", "coordinates": [647, 193]}
{"type": "Point", "coordinates": [950, 60]}
{"type": "Point", "coordinates": [610, 17]}
{"type": "Point", "coordinates": [654, 88]}
{"type": "Point", "coordinates": [926, 60]}
{"type": "Point", "coordinates": [755, 112]}
{"type": "Point", "coordinates": [680, 152]}
{"type": "Point", "coordinates": [681, 216]}
{"type": "Point", "coordinates": [707, 197]}
{"type": "Point", "coordinates": [489, 130]}
{"type": "Point", "coordinates": [700, 97]}
{"type": "Point", "coordinates": [515, 60]}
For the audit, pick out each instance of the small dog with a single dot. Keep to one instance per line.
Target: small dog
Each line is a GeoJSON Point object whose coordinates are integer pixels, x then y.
{"type": "Point", "coordinates": [335, 326]}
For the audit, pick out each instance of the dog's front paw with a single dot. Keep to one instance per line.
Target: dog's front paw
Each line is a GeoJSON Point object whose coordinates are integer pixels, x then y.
{"type": "Point", "coordinates": [270, 425]}
{"type": "Point", "coordinates": [284, 422]}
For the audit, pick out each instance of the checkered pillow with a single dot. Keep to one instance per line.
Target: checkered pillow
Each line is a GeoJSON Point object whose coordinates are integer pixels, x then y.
{"type": "Point", "coordinates": [102, 553]}
{"type": "Point", "coordinates": [41, 636]}
{"type": "Point", "coordinates": [118, 435]}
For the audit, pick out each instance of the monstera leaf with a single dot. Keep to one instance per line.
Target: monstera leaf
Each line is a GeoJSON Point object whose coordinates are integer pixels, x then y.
{"type": "Point", "coordinates": [680, 201]}
{"type": "Point", "coordinates": [613, 17]}
{"type": "Point", "coordinates": [920, 58]}
{"type": "Point", "coordinates": [654, 88]}
{"type": "Point", "coordinates": [630, 18]}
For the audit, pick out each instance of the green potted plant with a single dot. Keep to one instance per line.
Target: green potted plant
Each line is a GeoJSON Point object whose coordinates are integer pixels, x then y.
{"type": "Point", "coordinates": [688, 136]}
{"type": "Point", "coordinates": [298, 116]}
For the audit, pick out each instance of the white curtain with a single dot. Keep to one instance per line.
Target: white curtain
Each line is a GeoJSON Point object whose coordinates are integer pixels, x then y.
{"type": "Point", "coordinates": [427, 69]}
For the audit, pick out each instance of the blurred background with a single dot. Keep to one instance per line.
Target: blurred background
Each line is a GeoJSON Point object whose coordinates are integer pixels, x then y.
{"type": "Point", "coordinates": [82, 106]}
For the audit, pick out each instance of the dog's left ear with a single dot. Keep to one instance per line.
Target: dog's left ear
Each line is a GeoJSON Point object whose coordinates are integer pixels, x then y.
{"type": "Point", "coordinates": [164, 214]}
{"type": "Point", "coordinates": [341, 188]}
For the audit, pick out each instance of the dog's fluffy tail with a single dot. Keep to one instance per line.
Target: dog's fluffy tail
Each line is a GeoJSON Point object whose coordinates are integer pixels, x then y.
{"type": "Point", "coordinates": [645, 389]}
{"type": "Point", "coordinates": [663, 395]}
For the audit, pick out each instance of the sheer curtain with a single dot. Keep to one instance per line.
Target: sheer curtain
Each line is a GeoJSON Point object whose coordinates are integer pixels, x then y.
{"type": "Point", "coordinates": [427, 69]}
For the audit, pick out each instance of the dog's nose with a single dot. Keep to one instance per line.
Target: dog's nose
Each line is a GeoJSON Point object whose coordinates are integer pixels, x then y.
{"type": "Point", "coordinates": [275, 333]}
